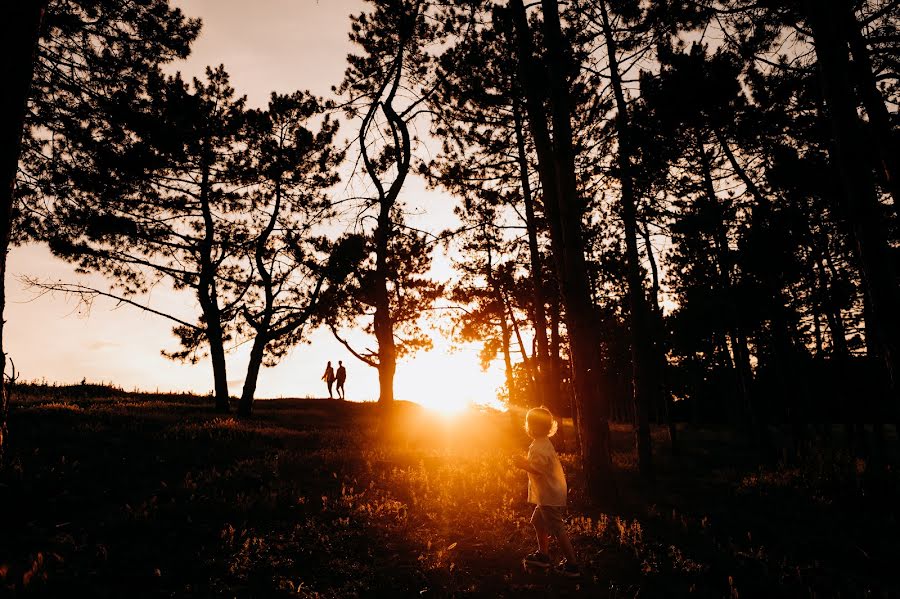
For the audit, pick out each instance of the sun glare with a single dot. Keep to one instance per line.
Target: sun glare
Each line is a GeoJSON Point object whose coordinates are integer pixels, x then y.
{"type": "Point", "coordinates": [448, 383]}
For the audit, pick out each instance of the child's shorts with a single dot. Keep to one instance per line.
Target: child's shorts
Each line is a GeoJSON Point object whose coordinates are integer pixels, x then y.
{"type": "Point", "coordinates": [549, 518]}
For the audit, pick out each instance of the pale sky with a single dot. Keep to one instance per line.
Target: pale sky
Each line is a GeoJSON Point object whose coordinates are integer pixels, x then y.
{"type": "Point", "coordinates": [265, 45]}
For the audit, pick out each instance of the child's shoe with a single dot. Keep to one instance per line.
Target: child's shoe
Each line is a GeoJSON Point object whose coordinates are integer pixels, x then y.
{"type": "Point", "coordinates": [537, 560]}
{"type": "Point", "coordinates": [567, 569]}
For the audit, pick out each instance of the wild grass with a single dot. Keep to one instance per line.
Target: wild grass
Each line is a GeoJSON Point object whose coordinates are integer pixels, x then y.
{"type": "Point", "coordinates": [128, 495]}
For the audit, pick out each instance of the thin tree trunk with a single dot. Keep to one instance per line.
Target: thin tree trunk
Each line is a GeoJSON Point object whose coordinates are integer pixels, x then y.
{"type": "Point", "coordinates": [504, 325]}
{"type": "Point", "coordinates": [540, 358]}
{"type": "Point", "coordinates": [565, 399]}
{"type": "Point", "coordinates": [834, 318]}
{"type": "Point", "coordinates": [22, 27]}
{"type": "Point", "coordinates": [507, 358]}
{"type": "Point", "coordinates": [528, 362]}
{"type": "Point", "coordinates": [817, 326]}
{"type": "Point", "coordinates": [665, 397]}
{"type": "Point", "coordinates": [639, 313]}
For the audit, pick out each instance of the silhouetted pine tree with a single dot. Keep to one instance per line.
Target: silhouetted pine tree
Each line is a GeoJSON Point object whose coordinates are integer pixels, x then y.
{"type": "Point", "coordinates": [154, 195]}
{"type": "Point", "coordinates": [549, 107]}
{"type": "Point", "coordinates": [486, 157]}
{"type": "Point", "coordinates": [67, 61]}
{"type": "Point", "coordinates": [290, 167]}
{"type": "Point", "coordinates": [384, 86]}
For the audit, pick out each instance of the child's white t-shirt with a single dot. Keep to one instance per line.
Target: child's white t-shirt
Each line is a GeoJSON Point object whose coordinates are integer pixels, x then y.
{"type": "Point", "coordinates": [549, 487]}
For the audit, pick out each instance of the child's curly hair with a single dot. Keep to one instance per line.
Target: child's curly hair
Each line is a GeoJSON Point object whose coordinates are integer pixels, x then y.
{"type": "Point", "coordinates": [539, 422]}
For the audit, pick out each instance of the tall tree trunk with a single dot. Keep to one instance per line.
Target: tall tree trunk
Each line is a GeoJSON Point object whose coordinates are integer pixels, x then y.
{"type": "Point", "coordinates": [545, 394]}
{"type": "Point", "coordinates": [207, 290]}
{"type": "Point", "coordinates": [556, 167]}
{"type": "Point", "coordinates": [858, 203]}
{"type": "Point", "coordinates": [505, 334]}
{"type": "Point", "coordinates": [383, 321]}
{"type": "Point", "coordinates": [642, 362]}
{"type": "Point", "coordinates": [22, 27]}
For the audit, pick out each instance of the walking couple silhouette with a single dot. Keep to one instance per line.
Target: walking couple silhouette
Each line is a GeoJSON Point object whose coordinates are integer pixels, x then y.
{"type": "Point", "coordinates": [330, 377]}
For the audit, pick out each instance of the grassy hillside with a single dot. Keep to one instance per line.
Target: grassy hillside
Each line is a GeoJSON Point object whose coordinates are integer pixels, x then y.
{"type": "Point", "coordinates": [158, 496]}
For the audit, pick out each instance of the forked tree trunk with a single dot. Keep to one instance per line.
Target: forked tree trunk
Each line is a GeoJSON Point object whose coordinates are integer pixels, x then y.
{"type": "Point", "coordinates": [384, 316]}
{"type": "Point", "coordinates": [21, 29]}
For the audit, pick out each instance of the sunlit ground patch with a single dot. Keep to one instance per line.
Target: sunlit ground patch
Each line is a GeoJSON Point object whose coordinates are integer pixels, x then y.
{"type": "Point", "coordinates": [446, 409]}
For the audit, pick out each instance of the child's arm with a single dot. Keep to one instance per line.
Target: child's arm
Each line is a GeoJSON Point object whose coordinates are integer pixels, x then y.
{"type": "Point", "coordinates": [523, 464]}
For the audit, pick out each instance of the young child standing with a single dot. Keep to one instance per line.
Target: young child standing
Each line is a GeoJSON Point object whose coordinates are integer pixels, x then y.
{"type": "Point", "coordinates": [547, 490]}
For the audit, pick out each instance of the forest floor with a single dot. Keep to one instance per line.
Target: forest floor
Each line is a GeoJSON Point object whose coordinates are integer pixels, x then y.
{"type": "Point", "coordinates": [141, 495]}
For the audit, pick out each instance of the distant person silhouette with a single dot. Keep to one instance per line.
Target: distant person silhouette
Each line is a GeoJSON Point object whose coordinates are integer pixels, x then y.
{"type": "Point", "coordinates": [341, 377]}
{"type": "Point", "coordinates": [328, 377]}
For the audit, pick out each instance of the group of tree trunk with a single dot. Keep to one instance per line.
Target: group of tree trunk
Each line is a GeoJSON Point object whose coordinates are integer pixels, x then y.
{"type": "Point", "coordinates": [715, 222]}
{"type": "Point", "coordinates": [668, 211]}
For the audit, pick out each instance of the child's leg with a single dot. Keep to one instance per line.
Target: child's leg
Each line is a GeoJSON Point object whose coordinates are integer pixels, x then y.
{"type": "Point", "coordinates": [540, 531]}
{"type": "Point", "coordinates": [556, 526]}
{"type": "Point", "coordinates": [566, 545]}
{"type": "Point", "coordinates": [543, 540]}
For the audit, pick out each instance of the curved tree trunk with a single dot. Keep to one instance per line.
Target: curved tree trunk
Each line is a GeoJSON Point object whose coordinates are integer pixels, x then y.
{"type": "Point", "coordinates": [662, 366]}
{"type": "Point", "coordinates": [245, 404]}
{"type": "Point", "coordinates": [207, 292]}
{"type": "Point", "coordinates": [264, 324]}
{"type": "Point", "coordinates": [383, 317]}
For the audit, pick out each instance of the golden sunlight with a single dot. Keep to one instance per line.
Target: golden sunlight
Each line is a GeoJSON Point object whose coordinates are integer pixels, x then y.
{"type": "Point", "coordinates": [448, 382]}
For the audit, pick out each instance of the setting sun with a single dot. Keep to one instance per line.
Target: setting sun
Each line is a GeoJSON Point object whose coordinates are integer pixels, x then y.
{"type": "Point", "coordinates": [448, 382]}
